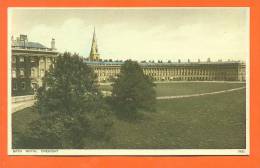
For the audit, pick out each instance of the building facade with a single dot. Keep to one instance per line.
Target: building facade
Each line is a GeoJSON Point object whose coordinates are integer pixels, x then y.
{"type": "Point", "coordinates": [187, 71]}
{"type": "Point", "coordinates": [30, 62]}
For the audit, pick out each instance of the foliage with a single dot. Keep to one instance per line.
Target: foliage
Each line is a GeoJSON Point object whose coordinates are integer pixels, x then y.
{"type": "Point", "coordinates": [65, 131]}
{"type": "Point", "coordinates": [71, 107]}
{"type": "Point", "coordinates": [133, 91]}
{"type": "Point", "coordinates": [67, 87]}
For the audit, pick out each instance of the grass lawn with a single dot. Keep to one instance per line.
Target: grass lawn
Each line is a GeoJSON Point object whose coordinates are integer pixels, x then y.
{"type": "Point", "coordinates": [21, 119]}
{"type": "Point", "coordinates": [210, 121]}
{"type": "Point", "coordinates": [186, 88]}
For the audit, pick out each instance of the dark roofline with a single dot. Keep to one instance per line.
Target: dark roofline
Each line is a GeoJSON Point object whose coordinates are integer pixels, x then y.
{"type": "Point", "coordinates": [33, 50]}
{"type": "Point", "coordinates": [162, 64]}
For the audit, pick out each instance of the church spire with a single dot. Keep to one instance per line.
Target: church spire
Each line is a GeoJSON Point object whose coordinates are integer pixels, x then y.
{"type": "Point", "coordinates": [94, 54]}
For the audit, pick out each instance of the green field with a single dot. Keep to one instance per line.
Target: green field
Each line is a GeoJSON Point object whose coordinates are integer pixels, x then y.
{"type": "Point", "coordinates": [186, 88]}
{"type": "Point", "coordinates": [210, 121]}
{"type": "Point", "coordinates": [213, 121]}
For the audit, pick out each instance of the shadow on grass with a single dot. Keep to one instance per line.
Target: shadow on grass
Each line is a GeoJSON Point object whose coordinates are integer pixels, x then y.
{"type": "Point", "coordinates": [133, 116]}
{"type": "Point", "coordinates": [129, 116]}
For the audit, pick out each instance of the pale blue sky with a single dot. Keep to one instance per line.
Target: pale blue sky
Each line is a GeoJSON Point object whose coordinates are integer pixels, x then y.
{"type": "Point", "coordinates": [140, 34]}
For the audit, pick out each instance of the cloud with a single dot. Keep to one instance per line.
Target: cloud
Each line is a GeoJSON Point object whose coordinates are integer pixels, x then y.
{"type": "Point", "coordinates": [71, 36]}
{"type": "Point", "coordinates": [194, 37]}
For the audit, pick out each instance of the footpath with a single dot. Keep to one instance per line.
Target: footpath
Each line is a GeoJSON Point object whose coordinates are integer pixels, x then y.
{"type": "Point", "coordinates": [200, 94]}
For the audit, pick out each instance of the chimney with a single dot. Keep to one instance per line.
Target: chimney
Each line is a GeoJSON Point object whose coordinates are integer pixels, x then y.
{"type": "Point", "coordinates": [53, 44]}
{"type": "Point", "coordinates": [198, 60]}
{"type": "Point", "coordinates": [208, 60]}
{"type": "Point", "coordinates": [23, 38]}
{"type": "Point", "coordinates": [179, 61]}
{"type": "Point", "coordinates": [188, 60]}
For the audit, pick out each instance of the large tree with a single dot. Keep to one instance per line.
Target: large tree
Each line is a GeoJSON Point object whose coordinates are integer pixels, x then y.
{"type": "Point", "coordinates": [133, 91]}
{"type": "Point", "coordinates": [72, 109]}
{"type": "Point", "coordinates": [67, 86]}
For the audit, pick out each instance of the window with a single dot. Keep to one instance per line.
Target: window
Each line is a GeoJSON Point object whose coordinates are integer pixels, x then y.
{"type": "Point", "coordinates": [42, 72]}
{"type": "Point", "coordinates": [32, 59]}
{"type": "Point", "coordinates": [21, 59]}
{"type": "Point", "coordinates": [14, 86]}
{"type": "Point", "coordinates": [22, 72]}
{"type": "Point", "coordinates": [41, 60]}
{"type": "Point", "coordinates": [23, 85]}
{"type": "Point", "coordinates": [13, 73]}
{"type": "Point", "coordinates": [32, 72]}
{"type": "Point", "coordinates": [49, 60]}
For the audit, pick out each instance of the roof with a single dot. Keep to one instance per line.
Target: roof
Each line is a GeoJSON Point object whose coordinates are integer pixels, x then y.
{"type": "Point", "coordinates": [118, 63]}
{"type": "Point", "coordinates": [26, 44]}
{"type": "Point", "coordinates": [104, 63]}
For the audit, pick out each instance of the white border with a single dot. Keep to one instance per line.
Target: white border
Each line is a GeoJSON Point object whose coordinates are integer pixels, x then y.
{"type": "Point", "coordinates": [123, 152]}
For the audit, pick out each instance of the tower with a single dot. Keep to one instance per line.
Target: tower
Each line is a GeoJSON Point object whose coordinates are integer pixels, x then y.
{"type": "Point", "coordinates": [94, 55]}
{"type": "Point", "coordinates": [53, 44]}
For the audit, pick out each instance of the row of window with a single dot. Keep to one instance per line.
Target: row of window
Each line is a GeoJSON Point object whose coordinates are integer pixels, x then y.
{"type": "Point", "coordinates": [33, 73]}
{"type": "Point", "coordinates": [165, 72]}
{"type": "Point", "coordinates": [14, 86]}
{"type": "Point", "coordinates": [175, 73]}
{"type": "Point", "coordinates": [183, 71]}
{"type": "Point", "coordinates": [181, 78]}
{"type": "Point", "coordinates": [107, 74]}
{"type": "Point", "coordinates": [21, 59]}
{"type": "Point", "coordinates": [195, 78]}
{"type": "Point", "coordinates": [186, 73]}
{"type": "Point", "coordinates": [34, 86]}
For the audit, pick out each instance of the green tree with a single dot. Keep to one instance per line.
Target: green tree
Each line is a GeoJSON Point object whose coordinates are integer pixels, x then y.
{"type": "Point", "coordinates": [72, 109]}
{"type": "Point", "coordinates": [133, 91]}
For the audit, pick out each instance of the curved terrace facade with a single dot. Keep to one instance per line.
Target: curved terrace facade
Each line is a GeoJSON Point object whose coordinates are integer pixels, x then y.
{"type": "Point", "coordinates": [186, 71]}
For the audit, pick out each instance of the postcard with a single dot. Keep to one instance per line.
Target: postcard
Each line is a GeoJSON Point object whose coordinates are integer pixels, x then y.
{"type": "Point", "coordinates": [128, 81]}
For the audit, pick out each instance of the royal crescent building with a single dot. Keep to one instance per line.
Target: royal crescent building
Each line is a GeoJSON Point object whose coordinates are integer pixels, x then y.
{"type": "Point", "coordinates": [31, 60]}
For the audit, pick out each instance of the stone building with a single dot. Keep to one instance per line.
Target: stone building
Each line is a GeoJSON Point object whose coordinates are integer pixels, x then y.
{"type": "Point", "coordinates": [30, 61]}
{"type": "Point", "coordinates": [170, 71]}
{"type": "Point", "coordinates": [176, 71]}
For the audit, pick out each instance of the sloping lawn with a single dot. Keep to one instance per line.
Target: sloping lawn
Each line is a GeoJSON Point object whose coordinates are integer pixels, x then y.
{"type": "Point", "coordinates": [20, 121]}
{"type": "Point", "coordinates": [186, 88]}
{"type": "Point", "coordinates": [213, 121]}
{"type": "Point", "coordinates": [210, 121]}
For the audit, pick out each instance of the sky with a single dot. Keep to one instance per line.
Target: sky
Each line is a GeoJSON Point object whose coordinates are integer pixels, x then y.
{"type": "Point", "coordinates": [139, 33]}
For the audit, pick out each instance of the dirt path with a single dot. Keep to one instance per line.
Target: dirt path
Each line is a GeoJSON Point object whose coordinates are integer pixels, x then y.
{"type": "Point", "coordinates": [21, 105]}
{"type": "Point", "coordinates": [200, 94]}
